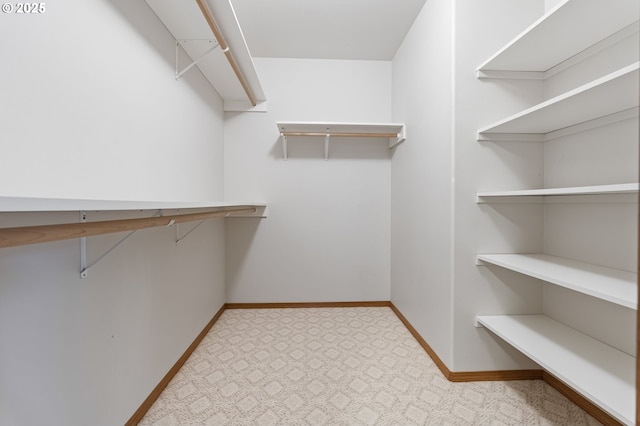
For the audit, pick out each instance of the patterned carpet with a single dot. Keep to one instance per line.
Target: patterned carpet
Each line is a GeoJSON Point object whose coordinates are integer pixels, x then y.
{"type": "Point", "coordinates": [338, 366]}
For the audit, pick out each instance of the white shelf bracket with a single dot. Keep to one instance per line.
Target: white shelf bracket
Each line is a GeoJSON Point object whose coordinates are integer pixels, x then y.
{"type": "Point", "coordinates": [195, 62]}
{"type": "Point", "coordinates": [83, 249]}
{"type": "Point", "coordinates": [84, 267]}
{"type": "Point", "coordinates": [284, 145]}
{"type": "Point", "coordinates": [178, 238]}
{"type": "Point", "coordinates": [326, 146]}
{"type": "Point", "coordinates": [402, 135]}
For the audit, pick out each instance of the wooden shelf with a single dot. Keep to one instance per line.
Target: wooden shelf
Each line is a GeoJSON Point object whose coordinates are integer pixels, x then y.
{"type": "Point", "coordinates": [603, 374]}
{"type": "Point", "coordinates": [613, 93]}
{"type": "Point", "coordinates": [36, 204]}
{"type": "Point", "coordinates": [395, 132]}
{"type": "Point", "coordinates": [568, 29]}
{"type": "Point", "coordinates": [612, 285]}
{"type": "Point", "coordinates": [625, 188]}
{"type": "Point", "coordinates": [185, 22]}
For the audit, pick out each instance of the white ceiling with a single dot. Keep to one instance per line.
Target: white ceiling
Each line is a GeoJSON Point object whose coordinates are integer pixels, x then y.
{"type": "Point", "coordinates": [326, 29]}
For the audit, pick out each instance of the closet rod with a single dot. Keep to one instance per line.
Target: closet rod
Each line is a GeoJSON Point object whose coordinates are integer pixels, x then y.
{"type": "Point", "coordinates": [11, 237]}
{"type": "Point", "coordinates": [342, 134]}
{"type": "Point", "coordinates": [208, 15]}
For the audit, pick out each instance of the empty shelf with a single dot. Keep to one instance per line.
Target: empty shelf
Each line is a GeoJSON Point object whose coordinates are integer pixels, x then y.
{"type": "Point", "coordinates": [613, 93]}
{"type": "Point", "coordinates": [11, 237]}
{"type": "Point", "coordinates": [569, 28]}
{"type": "Point", "coordinates": [612, 285]}
{"type": "Point", "coordinates": [394, 131]}
{"type": "Point", "coordinates": [625, 188]}
{"type": "Point", "coordinates": [603, 374]}
{"type": "Point", "coordinates": [36, 204]}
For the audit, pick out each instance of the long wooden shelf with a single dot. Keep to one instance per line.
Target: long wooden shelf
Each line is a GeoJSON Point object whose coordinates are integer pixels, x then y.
{"type": "Point", "coordinates": [603, 374]}
{"type": "Point", "coordinates": [613, 93]}
{"type": "Point", "coordinates": [186, 23]}
{"type": "Point", "coordinates": [612, 285]}
{"type": "Point", "coordinates": [624, 188]}
{"type": "Point", "coordinates": [569, 28]}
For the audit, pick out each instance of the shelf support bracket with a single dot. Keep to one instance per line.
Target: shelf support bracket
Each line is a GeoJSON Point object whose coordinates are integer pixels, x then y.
{"type": "Point", "coordinates": [195, 62]}
{"type": "Point", "coordinates": [84, 267]}
{"type": "Point", "coordinates": [178, 239]}
{"type": "Point", "coordinates": [326, 146]}
{"type": "Point", "coordinates": [83, 249]}
{"type": "Point", "coordinates": [284, 145]}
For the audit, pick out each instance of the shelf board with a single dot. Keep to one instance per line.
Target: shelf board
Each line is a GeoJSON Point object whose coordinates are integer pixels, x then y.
{"type": "Point", "coordinates": [395, 132]}
{"type": "Point", "coordinates": [613, 285]}
{"type": "Point", "coordinates": [625, 188]}
{"type": "Point", "coordinates": [185, 22]}
{"type": "Point", "coordinates": [603, 374]}
{"type": "Point", "coordinates": [604, 96]}
{"type": "Point", "coordinates": [37, 204]}
{"type": "Point", "coordinates": [566, 30]}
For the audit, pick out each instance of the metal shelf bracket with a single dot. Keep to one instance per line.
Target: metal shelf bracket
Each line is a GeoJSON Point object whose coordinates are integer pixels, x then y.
{"type": "Point", "coordinates": [179, 73]}
{"type": "Point", "coordinates": [84, 267]}
{"type": "Point", "coordinates": [178, 238]}
{"type": "Point", "coordinates": [284, 145]}
{"type": "Point", "coordinates": [326, 145]}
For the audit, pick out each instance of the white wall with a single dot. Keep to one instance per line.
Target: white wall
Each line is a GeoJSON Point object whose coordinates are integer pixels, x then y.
{"type": "Point", "coordinates": [550, 4]}
{"type": "Point", "coordinates": [327, 236]}
{"type": "Point", "coordinates": [421, 191]}
{"type": "Point", "coordinates": [437, 228]}
{"type": "Point", "coordinates": [481, 29]}
{"type": "Point", "coordinates": [90, 108]}
{"type": "Point", "coordinates": [88, 94]}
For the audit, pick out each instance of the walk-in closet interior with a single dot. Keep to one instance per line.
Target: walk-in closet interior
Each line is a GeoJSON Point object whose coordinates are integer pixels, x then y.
{"type": "Point", "coordinates": [470, 164]}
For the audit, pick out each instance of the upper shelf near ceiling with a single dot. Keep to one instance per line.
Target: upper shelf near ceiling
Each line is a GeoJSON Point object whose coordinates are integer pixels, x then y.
{"type": "Point", "coordinates": [186, 22]}
{"type": "Point", "coordinates": [572, 27]}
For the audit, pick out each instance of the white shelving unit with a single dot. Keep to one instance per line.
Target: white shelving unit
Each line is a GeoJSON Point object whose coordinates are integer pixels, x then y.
{"type": "Point", "coordinates": [185, 22]}
{"type": "Point", "coordinates": [568, 34]}
{"type": "Point", "coordinates": [603, 374]}
{"type": "Point", "coordinates": [608, 284]}
{"type": "Point", "coordinates": [395, 132]}
{"type": "Point", "coordinates": [565, 31]}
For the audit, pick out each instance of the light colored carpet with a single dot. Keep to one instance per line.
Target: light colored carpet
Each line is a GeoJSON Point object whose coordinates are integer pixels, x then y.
{"type": "Point", "coordinates": [338, 366]}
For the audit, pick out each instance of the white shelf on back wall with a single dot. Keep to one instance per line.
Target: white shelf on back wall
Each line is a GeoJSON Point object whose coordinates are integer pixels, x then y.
{"type": "Point", "coordinates": [605, 375]}
{"type": "Point", "coordinates": [624, 188]}
{"type": "Point", "coordinates": [614, 93]}
{"type": "Point", "coordinates": [395, 132]}
{"type": "Point", "coordinates": [571, 27]}
{"type": "Point", "coordinates": [612, 285]}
